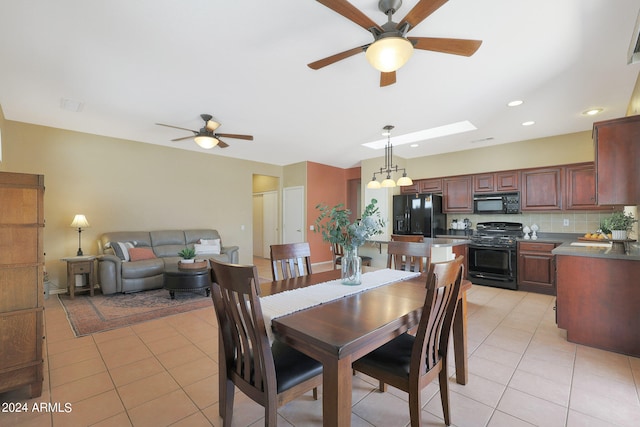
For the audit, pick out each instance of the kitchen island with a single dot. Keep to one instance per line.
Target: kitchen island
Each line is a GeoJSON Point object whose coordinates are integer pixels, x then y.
{"type": "Point", "coordinates": [598, 296]}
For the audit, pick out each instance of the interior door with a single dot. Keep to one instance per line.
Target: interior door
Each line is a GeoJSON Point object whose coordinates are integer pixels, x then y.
{"type": "Point", "coordinates": [293, 215]}
{"type": "Point", "coordinates": [269, 221]}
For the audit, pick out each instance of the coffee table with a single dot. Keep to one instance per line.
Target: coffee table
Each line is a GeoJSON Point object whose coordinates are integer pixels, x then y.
{"type": "Point", "coordinates": [189, 280]}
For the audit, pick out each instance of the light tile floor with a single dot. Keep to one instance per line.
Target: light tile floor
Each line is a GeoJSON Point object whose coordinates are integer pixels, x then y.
{"type": "Point", "coordinates": [164, 372]}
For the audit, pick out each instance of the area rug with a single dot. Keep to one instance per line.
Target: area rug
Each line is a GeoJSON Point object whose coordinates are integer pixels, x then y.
{"type": "Point", "coordinates": [88, 315]}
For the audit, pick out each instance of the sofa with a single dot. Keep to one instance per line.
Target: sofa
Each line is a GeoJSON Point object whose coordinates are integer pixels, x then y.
{"type": "Point", "coordinates": [133, 261]}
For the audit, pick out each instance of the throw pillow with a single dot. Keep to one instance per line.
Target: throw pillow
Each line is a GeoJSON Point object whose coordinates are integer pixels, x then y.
{"type": "Point", "coordinates": [211, 249]}
{"type": "Point", "coordinates": [138, 254]}
{"type": "Point", "coordinates": [122, 249]}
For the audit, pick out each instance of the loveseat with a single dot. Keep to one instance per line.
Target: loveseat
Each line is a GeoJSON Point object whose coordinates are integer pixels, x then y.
{"type": "Point", "coordinates": [132, 261]}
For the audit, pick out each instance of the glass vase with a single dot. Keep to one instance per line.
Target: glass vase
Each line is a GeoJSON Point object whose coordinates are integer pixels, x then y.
{"type": "Point", "coordinates": [351, 265]}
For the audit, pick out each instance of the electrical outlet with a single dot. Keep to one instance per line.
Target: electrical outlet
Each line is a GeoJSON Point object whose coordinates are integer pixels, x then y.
{"type": "Point", "coordinates": [565, 222]}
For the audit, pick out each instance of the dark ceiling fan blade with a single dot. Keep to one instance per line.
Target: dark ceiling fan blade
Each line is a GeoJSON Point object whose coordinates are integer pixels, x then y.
{"type": "Point", "coordinates": [233, 135]}
{"type": "Point", "coordinates": [350, 12]}
{"type": "Point", "coordinates": [420, 12]}
{"type": "Point", "coordinates": [337, 57]}
{"type": "Point", "coordinates": [387, 79]}
{"type": "Point", "coordinates": [183, 138]}
{"type": "Point", "coordinates": [462, 47]}
{"type": "Point", "coordinates": [176, 127]}
{"type": "Point", "coordinates": [222, 144]}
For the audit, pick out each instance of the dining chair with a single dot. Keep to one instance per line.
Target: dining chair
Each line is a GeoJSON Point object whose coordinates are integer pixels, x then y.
{"type": "Point", "coordinates": [337, 251]}
{"type": "Point", "coordinates": [410, 363]}
{"type": "Point", "coordinates": [408, 256]}
{"type": "Point", "coordinates": [271, 375]}
{"type": "Point", "coordinates": [290, 260]}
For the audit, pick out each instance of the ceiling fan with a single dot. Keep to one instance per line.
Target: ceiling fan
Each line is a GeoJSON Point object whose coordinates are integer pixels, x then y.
{"type": "Point", "coordinates": [391, 48]}
{"type": "Point", "coordinates": [206, 136]}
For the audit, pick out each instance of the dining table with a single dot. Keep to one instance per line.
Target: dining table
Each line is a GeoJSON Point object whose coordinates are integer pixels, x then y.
{"type": "Point", "coordinates": [338, 332]}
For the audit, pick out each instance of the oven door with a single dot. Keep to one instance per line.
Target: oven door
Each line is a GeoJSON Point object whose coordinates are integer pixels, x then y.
{"type": "Point", "coordinates": [493, 266]}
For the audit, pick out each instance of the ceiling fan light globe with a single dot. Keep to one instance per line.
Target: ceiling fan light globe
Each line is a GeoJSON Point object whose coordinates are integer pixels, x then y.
{"type": "Point", "coordinates": [404, 181]}
{"type": "Point", "coordinates": [206, 142]}
{"type": "Point", "coordinates": [212, 125]}
{"type": "Point", "coordinates": [389, 53]}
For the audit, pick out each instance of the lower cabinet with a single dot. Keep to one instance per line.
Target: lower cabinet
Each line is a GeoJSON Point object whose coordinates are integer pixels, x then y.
{"type": "Point", "coordinates": [537, 267]}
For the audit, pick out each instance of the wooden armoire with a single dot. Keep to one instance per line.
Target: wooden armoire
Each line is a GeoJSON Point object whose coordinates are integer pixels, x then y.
{"type": "Point", "coordinates": [21, 281]}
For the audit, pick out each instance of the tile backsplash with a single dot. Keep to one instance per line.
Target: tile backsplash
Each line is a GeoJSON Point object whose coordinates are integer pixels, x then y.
{"type": "Point", "coordinates": [578, 221]}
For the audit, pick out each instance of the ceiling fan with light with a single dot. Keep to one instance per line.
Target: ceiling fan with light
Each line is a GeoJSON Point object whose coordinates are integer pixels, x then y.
{"type": "Point", "coordinates": [206, 136]}
{"type": "Point", "coordinates": [390, 48]}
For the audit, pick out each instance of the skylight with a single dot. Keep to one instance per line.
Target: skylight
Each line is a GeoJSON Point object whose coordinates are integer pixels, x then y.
{"type": "Point", "coordinates": [450, 129]}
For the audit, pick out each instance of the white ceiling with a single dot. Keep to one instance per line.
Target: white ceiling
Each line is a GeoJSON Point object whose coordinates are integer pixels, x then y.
{"type": "Point", "coordinates": [135, 63]}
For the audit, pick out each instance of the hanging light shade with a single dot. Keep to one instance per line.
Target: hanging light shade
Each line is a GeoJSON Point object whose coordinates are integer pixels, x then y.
{"type": "Point", "coordinates": [206, 141]}
{"type": "Point", "coordinates": [389, 167]}
{"type": "Point", "coordinates": [389, 53]}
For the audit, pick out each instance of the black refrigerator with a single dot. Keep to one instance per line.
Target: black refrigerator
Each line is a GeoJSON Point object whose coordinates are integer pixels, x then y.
{"type": "Point", "coordinates": [419, 214]}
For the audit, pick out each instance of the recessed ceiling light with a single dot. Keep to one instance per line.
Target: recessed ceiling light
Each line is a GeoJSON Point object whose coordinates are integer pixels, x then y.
{"type": "Point", "coordinates": [515, 103]}
{"type": "Point", "coordinates": [414, 145]}
{"type": "Point", "coordinates": [529, 123]}
{"type": "Point", "coordinates": [451, 129]}
{"type": "Point", "coordinates": [592, 112]}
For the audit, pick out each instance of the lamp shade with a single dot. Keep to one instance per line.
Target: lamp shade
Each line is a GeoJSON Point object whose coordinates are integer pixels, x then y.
{"type": "Point", "coordinates": [404, 181]}
{"type": "Point", "coordinates": [373, 184]}
{"type": "Point", "coordinates": [389, 53]}
{"type": "Point", "coordinates": [388, 183]}
{"type": "Point", "coordinates": [206, 141]}
{"type": "Point", "coordinates": [80, 221]}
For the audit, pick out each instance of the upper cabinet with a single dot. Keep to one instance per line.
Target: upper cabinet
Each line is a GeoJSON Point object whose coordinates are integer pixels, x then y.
{"type": "Point", "coordinates": [458, 195]}
{"type": "Point", "coordinates": [422, 186]}
{"type": "Point", "coordinates": [541, 189]}
{"type": "Point", "coordinates": [617, 145]}
{"type": "Point", "coordinates": [580, 188]}
{"type": "Point", "coordinates": [496, 182]}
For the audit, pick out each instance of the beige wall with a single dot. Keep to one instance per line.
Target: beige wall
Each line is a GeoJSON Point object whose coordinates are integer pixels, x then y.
{"type": "Point", "coordinates": [127, 185]}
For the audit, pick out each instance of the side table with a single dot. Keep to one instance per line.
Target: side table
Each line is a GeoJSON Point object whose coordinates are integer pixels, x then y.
{"type": "Point", "coordinates": [84, 266]}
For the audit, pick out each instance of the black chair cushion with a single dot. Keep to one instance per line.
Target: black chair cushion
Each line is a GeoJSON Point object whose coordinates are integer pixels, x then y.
{"type": "Point", "coordinates": [292, 367]}
{"type": "Point", "coordinates": [393, 357]}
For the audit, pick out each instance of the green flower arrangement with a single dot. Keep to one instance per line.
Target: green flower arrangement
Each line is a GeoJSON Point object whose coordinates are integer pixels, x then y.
{"type": "Point", "coordinates": [335, 226]}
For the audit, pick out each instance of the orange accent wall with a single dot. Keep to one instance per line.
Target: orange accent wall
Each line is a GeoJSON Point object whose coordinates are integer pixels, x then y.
{"type": "Point", "coordinates": [326, 185]}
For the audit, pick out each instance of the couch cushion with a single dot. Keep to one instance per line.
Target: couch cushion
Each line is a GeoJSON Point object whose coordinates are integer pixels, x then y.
{"type": "Point", "coordinates": [142, 269]}
{"type": "Point", "coordinates": [121, 249]}
{"type": "Point", "coordinates": [208, 248]}
{"type": "Point", "coordinates": [167, 242]}
{"type": "Point", "coordinates": [194, 236]}
{"type": "Point", "coordinates": [138, 238]}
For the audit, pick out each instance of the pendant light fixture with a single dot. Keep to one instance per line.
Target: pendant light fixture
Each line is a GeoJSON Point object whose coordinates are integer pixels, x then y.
{"type": "Point", "coordinates": [389, 167]}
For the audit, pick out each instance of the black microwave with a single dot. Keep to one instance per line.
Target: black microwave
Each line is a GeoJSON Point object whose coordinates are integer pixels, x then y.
{"type": "Point", "coordinates": [497, 203]}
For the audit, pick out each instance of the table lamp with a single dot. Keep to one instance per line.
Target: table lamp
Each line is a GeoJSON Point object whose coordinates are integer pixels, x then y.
{"type": "Point", "coordinates": [80, 222]}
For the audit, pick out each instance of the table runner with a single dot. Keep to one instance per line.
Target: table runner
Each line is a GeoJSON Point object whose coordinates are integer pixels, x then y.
{"type": "Point", "coordinates": [287, 302]}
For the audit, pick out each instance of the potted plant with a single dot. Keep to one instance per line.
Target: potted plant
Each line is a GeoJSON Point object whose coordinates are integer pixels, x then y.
{"type": "Point", "coordinates": [188, 255]}
{"type": "Point", "coordinates": [336, 228]}
{"type": "Point", "coordinates": [619, 224]}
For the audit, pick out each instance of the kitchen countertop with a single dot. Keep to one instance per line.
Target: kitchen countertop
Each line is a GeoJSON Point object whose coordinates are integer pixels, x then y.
{"type": "Point", "coordinates": [438, 242]}
{"type": "Point", "coordinates": [632, 251]}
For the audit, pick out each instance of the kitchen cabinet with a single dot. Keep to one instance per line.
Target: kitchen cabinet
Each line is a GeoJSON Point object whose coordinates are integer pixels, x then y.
{"type": "Point", "coordinates": [458, 195]}
{"type": "Point", "coordinates": [21, 282]}
{"type": "Point", "coordinates": [536, 267]}
{"type": "Point", "coordinates": [496, 182]}
{"type": "Point", "coordinates": [617, 161]}
{"type": "Point", "coordinates": [580, 188]}
{"type": "Point", "coordinates": [432, 185]}
{"type": "Point", "coordinates": [541, 189]}
{"type": "Point", "coordinates": [597, 302]}
{"type": "Point", "coordinates": [411, 189]}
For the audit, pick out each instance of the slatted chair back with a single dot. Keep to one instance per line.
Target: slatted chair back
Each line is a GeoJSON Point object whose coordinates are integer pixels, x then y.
{"type": "Point", "coordinates": [290, 260]}
{"type": "Point", "coordinates": [410, 363]}
{"type": "Point", "coordinates": [408, 256]}
{"type": "Point", "coordinates": [250, 362]}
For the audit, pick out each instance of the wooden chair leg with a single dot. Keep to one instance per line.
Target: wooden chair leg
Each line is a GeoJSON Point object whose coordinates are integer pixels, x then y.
{"type": "Point", "coordinates": [315, 393]}
{"type": "Point", "coordinates": [444, 394]}
{"type": "Point", "coordinates": [415, 408]}
{"type": "Point", "coordinates": [382, 387]}
{"type": "Point", "coordinates": [226, 409]}
{"type": "Point", "coordinates": [271, 414]}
